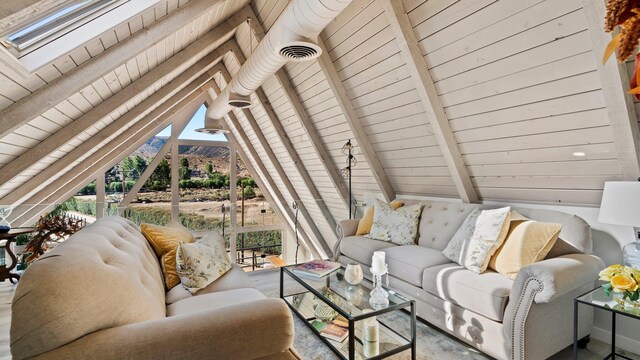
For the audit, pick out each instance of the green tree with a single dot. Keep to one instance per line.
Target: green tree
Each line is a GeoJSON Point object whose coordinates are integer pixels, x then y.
{"type": "Point", "coordinates": [248, 192]}
{"type": "Point", "coordinates": [184, 171]}
{"type": "Point", "coordinates": [161, 176]}
{"type": "Point", "coordinates": [139, 166]}
{"type": "Point", "coordinates": [208, 169]}
{"type": "Point", "coordinates": [128, 167]}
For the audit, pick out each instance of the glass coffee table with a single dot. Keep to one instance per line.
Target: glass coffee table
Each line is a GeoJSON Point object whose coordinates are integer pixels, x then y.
{"type": "Point", "coordinates": [331, 299]}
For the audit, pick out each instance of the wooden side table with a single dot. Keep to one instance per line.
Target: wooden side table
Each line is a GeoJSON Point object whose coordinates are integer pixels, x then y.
{"type": "Point", "coordinates": [5, 272]}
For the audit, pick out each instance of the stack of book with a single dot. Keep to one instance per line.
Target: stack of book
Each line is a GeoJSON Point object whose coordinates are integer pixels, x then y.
{"type": "Point", "coordinates": [337, 330]}
{"type": "Point", "coordinates": [316, 269]}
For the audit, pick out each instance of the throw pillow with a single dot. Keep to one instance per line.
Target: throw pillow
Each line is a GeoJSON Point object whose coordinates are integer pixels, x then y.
{"type": "Point", "coordinates": [528, 242]}
{"type": "Point", "coordinates": [399, 226]}
{"type": "Point", "coordinates": [364, 226]}
{"type": "Point", "coordinates": [165, 241]}
{"type": "Point", "coordinates": [201, 263]}
{"type": "Point", "coordinates": [480, 235]}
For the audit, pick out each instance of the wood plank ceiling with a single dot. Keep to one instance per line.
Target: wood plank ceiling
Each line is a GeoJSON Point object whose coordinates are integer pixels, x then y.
{"type": "Point", "coordinates": [517, 84]}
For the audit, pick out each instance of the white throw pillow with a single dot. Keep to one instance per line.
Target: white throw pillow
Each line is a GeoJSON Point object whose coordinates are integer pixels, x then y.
{"type": "Point", "coordinates": [399, 226]}
{"type": "Point", "coordinates": [479, 237]}
{"type": "Point", "coordinates": [201, 263]}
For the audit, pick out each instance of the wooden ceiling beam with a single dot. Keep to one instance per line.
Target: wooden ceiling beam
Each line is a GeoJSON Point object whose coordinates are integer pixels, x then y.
{"type": "Point", "coordinates": [307, 125]}
{"type": "Point", "coordinates": [190, 80]}
{"type": "Point", "coordinates": [264, 143]}
{"type": "Point", "coordinates": [355, 123]}
{"type": "Point", "coordinates": [64, 187]}
{"type": "Point", "coordinates": [615, 83]}
{"type": "Point", "coordinates": [77, 79]}
{"type": "Point", "coordinates": [104, 109]}
{"type": "Point", "coordinates": [233, 125]}
{"type": "Point", "coordinates": [419, 70]}
{"type": "Point", "coordinates": [284, 139]}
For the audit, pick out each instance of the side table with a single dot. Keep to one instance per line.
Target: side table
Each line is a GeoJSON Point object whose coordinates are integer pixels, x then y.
{"type": "Point", "coordinates": [597, 299]}
{"type": "Point", "coordinates": [5, 272]}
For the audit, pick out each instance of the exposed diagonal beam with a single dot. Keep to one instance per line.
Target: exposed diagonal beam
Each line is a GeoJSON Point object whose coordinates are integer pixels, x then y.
{"type": "Point", "coordinates": [355, 124]}
{"type": "Point", "coordinates": [232, 125]}
{"type": "Point", "coordinates": [307, 125]}
{"type": "Point", "coordinates": [59, 191]}
{"type": "Point", "coordinates": [77, 79]}
{"type": "Point", "coordinates": [419, 70]}
{"type": "Point", "coordinates": [141, 85]}
{"type": "Point", "coordinates": [177, 90]}
{"type": "Point", "coordinates": [145, 175]}
{"type": "Point", "coordinates": [620, 107]}
{"type": "Point", "coordinates": [108, 155]}
{"type": "Point", "coordinates": [284, 139]}
{"type": "Point", "coordinates": [264, 143]}
{"type": "Point", "coordinates": [265, 190]}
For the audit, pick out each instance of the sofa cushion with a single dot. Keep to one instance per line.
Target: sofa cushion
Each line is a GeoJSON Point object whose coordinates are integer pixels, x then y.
{"type": "Point", "coordinates": [213, 301]}
{"type": "Point", "coordinates": [439, 221]}
{"type": "Point", "coordinates": [104, 276]}
{"type": "Point", "coordinates": [364, 226]}
{"type": "Point", "coordinates": [408, 261]}
{"type": "Point", "coordinates": [235, 278]}
{"type": "Point", "coordinates": [399, 226]}
{"type": "Point", "coordinates": [360, 248]}
{"type": "Point", "coordinates": [165, 241]}
{"type": "Point", "coordinates": [486, 294]}
{"type": "Point", "coordinates": [201, 263]}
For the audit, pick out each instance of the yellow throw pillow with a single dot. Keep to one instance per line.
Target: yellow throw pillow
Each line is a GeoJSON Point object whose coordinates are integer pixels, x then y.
{"type": "Point", "coordinates": [528, 242]}
{"type": "Point", "coordinates": [165, 241]}
{"type": "Point", "coordinates": [364, 226]}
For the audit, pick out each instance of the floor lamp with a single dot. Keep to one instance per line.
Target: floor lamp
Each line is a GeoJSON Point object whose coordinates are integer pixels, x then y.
{"type": "Point", "coordinates": [347, 149]}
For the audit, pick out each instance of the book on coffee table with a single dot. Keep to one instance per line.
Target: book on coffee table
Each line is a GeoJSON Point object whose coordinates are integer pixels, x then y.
{"type": "Point", "coordinates": [316, 268]}
{"type": "Point", "coordinates": [336, 330]}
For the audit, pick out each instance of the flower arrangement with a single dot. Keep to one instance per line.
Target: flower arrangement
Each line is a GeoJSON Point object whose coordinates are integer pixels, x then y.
{"type": "Point", "coordinates": [626, 15]}
{"type": "Point", "coordinates": [623, 280]}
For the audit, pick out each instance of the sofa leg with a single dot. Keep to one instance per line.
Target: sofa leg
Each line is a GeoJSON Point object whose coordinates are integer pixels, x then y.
{"type": "Point", "coordinates": [582, 343]}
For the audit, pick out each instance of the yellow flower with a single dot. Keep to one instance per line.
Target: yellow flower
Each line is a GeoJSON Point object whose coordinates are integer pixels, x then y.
{"type": "Point", "coordinates": [623, 282]}
{"type": "Point", "coordinates": [608, 273]}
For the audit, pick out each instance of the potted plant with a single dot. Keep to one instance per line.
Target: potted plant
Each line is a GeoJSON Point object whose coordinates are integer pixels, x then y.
{"type": "Point", "coordinates": [622, 282]}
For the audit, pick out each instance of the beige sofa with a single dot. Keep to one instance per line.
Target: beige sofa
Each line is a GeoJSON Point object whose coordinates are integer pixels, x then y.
{"type": "Point", "coordinates": [100, 295]}
{"type": "Point", "coordinates": [529, 318]}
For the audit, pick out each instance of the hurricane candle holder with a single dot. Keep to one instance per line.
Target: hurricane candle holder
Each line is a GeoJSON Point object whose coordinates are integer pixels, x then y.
{"type": "Point", "coordinates": [379, 298]}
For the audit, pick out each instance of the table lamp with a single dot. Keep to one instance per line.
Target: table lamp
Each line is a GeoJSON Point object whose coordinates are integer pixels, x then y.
{"type": "Point", "coordinates": [621, 206]}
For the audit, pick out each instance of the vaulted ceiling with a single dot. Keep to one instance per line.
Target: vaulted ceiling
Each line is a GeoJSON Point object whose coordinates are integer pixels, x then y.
{"type": "Point", "coordinates": [471, 99]}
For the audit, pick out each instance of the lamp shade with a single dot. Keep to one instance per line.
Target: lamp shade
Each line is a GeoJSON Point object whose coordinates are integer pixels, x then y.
{"type": "Point", "coordinates": [620, 203]}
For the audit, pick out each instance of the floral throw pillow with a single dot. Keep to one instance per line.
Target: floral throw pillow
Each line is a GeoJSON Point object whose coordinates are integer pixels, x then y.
{"type": "Point", "coordinates": [479, 237]}
{"type": "Point", "coordinates": [201, 263]}
{"type": "Point", "coordinates": [399, 226]}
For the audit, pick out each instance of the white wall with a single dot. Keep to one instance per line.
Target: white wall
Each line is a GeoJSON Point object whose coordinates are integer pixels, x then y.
{"type": "Point", "coordinates": [608, 241]}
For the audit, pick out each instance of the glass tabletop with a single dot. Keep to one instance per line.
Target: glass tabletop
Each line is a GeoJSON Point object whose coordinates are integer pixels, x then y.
{"type": "Point", "coordinates": [351, 299]}
{"type": "Point", "coordinates": [599, 299]}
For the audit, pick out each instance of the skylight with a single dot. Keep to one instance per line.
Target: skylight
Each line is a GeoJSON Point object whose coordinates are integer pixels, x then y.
{"type": "Point", "coordinates": [37, 43]}
{"type": "Point", "coordinates": [59, 22]}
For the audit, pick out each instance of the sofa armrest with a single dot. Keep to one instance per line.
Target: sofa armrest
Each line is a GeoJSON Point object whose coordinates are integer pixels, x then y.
{"type": "Point", "coordinates": [558, 276]}
{"type": "Point", "coordinates": [344, 228]}
{"type": "Point", "coordinates": [230, 332]}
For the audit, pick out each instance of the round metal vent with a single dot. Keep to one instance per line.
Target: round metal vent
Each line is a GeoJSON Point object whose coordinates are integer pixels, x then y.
{"type": "Point", "coordinates": [239, 104]}
{"type": "Point", "coordinates": [300, 52]}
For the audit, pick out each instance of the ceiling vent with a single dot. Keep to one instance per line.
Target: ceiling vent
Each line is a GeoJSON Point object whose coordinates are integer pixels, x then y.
{"type": "Point", "coordinates": [300, 51]}
{"type": "Point", "coordinates": [239, 101]}
{"type": "Point", "coordinates": [212, 127]}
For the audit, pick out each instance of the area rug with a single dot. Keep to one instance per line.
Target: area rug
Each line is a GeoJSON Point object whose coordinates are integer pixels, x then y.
{"type": "Point", "coordinates": [432, 343]}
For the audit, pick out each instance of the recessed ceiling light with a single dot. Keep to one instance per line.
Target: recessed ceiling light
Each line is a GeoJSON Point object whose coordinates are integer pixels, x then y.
{"type": "Point", "coordinates": [579, 154]}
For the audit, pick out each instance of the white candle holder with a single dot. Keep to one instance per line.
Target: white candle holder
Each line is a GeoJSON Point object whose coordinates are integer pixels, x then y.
{"type": "Point", "coordinates": [379, 297]}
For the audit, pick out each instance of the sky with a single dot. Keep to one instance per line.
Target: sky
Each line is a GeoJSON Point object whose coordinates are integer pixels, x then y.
{"type": "Point", "coordinates": [196, 122]}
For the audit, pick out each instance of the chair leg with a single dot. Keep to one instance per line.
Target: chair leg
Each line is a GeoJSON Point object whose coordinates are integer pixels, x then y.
{"type": "Point", "coordinates": [582, 343]}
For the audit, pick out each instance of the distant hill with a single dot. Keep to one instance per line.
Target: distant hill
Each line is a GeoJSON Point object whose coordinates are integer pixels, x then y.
{"type": "Point", "coordinates": [198, 156]}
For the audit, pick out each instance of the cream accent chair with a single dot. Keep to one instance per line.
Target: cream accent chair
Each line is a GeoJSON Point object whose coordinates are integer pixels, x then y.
{"type": "Point", "coordinates": [529, 318]}
{"type": "Point", "coordinates": [100, 295]}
